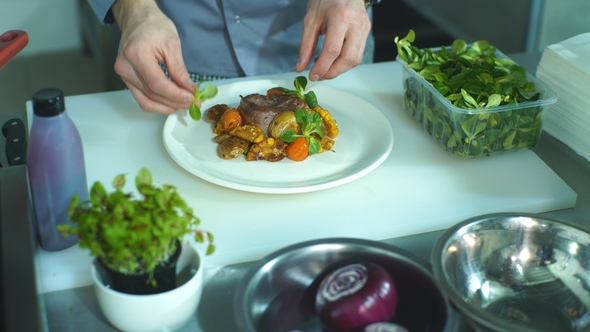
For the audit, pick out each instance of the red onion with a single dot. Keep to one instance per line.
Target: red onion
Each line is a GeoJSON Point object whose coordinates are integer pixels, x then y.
{"type": "Point", "coordinates": [356, 295]}
{"type": "Point", "coordinates": [385, 327]}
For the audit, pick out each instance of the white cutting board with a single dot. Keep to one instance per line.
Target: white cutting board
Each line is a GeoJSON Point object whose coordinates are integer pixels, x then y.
{"type": "Point", "coordinates": [419, 188]}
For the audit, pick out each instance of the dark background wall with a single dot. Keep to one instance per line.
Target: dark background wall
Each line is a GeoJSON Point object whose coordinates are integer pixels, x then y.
{"type": "Point", "coordinates": [393, 18]}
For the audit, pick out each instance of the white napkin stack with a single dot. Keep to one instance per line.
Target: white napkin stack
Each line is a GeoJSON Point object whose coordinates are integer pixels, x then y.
{"type": "Point", "coordinates": [565, 69]}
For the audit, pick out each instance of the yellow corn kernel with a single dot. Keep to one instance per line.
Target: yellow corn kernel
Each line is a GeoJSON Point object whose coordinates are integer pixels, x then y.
{"type": "Point", "coordinates": [332, 128]}
{"type": "Point", "coordinates": [329, 122]}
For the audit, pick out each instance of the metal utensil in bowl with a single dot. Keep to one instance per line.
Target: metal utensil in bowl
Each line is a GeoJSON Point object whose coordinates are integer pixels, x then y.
{"type": "Point", "coordinates": [278, 292]}
{"type": "Point", "coordinates": [517, 272]}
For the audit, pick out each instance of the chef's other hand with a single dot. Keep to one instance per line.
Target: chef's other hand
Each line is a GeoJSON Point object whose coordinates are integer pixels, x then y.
{"type": "Point", "coordinates": [148, 38]}
{"type": "Point", "coordinates": [346, 25]}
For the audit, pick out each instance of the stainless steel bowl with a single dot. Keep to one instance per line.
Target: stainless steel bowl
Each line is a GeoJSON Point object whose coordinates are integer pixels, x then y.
{"type": "Point", "coordinates": [517, 272]}
{"type": "Point", "coordinates": [278, 293]}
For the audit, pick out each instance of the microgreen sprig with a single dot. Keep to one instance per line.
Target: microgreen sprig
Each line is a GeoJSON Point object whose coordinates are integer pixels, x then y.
{"type": "Point", "coordinates": [472, 77]}
{"type": "Point", "coordinates": [208, 92]}
{"type": "Point", "coordinates": [310, 123]}
{"type": "Point", "coordinates": [300, 84]}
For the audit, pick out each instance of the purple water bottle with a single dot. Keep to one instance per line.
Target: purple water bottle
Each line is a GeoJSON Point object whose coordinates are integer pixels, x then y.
{"type": "Point", "coordinates": [55, 160]}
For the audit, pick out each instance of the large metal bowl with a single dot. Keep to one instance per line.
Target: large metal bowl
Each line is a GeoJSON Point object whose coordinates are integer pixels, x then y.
{"type": "Point", "coordinates": [517, 272]}
{"type": "Point", "coordinates": [278, 293]}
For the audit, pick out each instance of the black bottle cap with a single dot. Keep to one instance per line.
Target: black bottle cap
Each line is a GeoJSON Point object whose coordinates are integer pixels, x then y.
{"type": "Point", "coordinates": [48, 102]}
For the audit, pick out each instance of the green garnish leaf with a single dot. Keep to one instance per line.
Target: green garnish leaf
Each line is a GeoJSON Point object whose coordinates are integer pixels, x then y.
{"type": "Point", "coordinates": [311, 100]}
{"type": "Point", "coordinates": [300, 83]}
{"type": "Point", "coordinates": [195, 112]}
{"type": "Point", "coordinates": [468, 99]}
{"type": "Point", "coordinates": [458, 46]}
{"type": "Point", "coordinates": [405, 48]}
{"type": "Point", "coordinates": [310, 124]}
{"type": "Point", "coordinates": [314, 146]}
{"type": "Point", "coordinates": [208, 92]}
{"type": "Point", "coordinates": [288, 136]}
{"type": "Point", "coordinates": [471, 77]}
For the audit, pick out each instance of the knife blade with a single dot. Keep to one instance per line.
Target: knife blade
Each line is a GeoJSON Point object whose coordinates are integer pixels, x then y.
{"type": "Point", "coordinates": [16, 141]}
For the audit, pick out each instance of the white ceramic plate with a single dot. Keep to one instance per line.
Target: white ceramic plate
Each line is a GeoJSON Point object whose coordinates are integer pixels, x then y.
{"type": "Point", "coordinates": [364, 142]}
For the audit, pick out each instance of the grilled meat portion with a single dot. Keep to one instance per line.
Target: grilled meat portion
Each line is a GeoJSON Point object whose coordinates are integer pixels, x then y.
{"type": "Point", "coordinates": [259, 110]}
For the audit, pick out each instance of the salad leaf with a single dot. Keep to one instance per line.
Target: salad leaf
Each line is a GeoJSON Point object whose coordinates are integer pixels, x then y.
{"type": "Point", "coordinates": [475, 78]}
{"type": "Point", "coordinates": [208, 92]}
{"type": "Point", "coordinates": [406, 50]}
{"type": "Point", "coordinates": [300, 83]}
{"type": "Point", "coordinates": [310, 124]}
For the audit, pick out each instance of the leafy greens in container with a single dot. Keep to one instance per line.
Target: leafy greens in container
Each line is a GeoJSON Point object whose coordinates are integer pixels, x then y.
{"type": "Point", "coordinates": [472, 98]}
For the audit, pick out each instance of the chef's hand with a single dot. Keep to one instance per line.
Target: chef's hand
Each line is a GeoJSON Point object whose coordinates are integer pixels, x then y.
{"type": "Point", "coordinates": [346, 25]}
{"type": "Point", "coordinates": [148, 38]}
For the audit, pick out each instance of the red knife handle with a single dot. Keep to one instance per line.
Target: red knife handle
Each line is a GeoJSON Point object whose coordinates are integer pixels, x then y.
{"type": "Point", "coordinates": [11, 42]}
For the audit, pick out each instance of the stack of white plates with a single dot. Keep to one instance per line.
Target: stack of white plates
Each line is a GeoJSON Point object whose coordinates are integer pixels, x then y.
{"type": "Point", "coordinates": [565, 69]}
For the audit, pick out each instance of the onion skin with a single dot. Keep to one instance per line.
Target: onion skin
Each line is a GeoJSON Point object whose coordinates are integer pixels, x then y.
{"type": "Point", "coordinates": [356, 295]}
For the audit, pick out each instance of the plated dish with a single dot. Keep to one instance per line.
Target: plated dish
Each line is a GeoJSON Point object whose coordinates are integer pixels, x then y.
{"type": "Point", "coordinates": [365, 141]}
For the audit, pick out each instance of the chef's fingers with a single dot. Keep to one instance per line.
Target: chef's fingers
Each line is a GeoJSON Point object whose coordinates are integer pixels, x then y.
{"type": "Point", "coordinates": [178, 72]}
{"type": "Point", "coordinates": [143, 89]}
{"type": "Point", "coordinates": [138, 64]}
{"type": "Point", "coordinates": [346, 25]}
{"type": "Point", "coordinates": [309, 41]}
{"type": "Point", "coordinates": [333, 43]}
{"type": "Point", "coordinates": [147, 104]}
{"type": "Point", "coordinates": [153, 84]}
{"type": "Point", "coordinates": [351, 53]}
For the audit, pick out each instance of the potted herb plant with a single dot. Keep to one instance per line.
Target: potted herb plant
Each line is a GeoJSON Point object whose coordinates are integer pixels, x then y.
{"type": "Point", "coordinates": [137, 242]}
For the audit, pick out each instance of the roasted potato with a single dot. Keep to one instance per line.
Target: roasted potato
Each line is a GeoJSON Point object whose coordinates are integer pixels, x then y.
{"type": "Point", "coordinates": [283, 121]}
{"type": "Point", "coordinates": [269, 149]}
{"type": "Point", "coordinates": [248, 132]}
{"type": "Point", "coordinates": [232, 147]}
{"type": "Point", "coordinates": [214, 113]}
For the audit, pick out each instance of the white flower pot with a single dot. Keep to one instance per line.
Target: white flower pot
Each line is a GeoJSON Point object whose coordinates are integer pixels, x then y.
{"type": "Point", "coordinates": [166, 311]}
